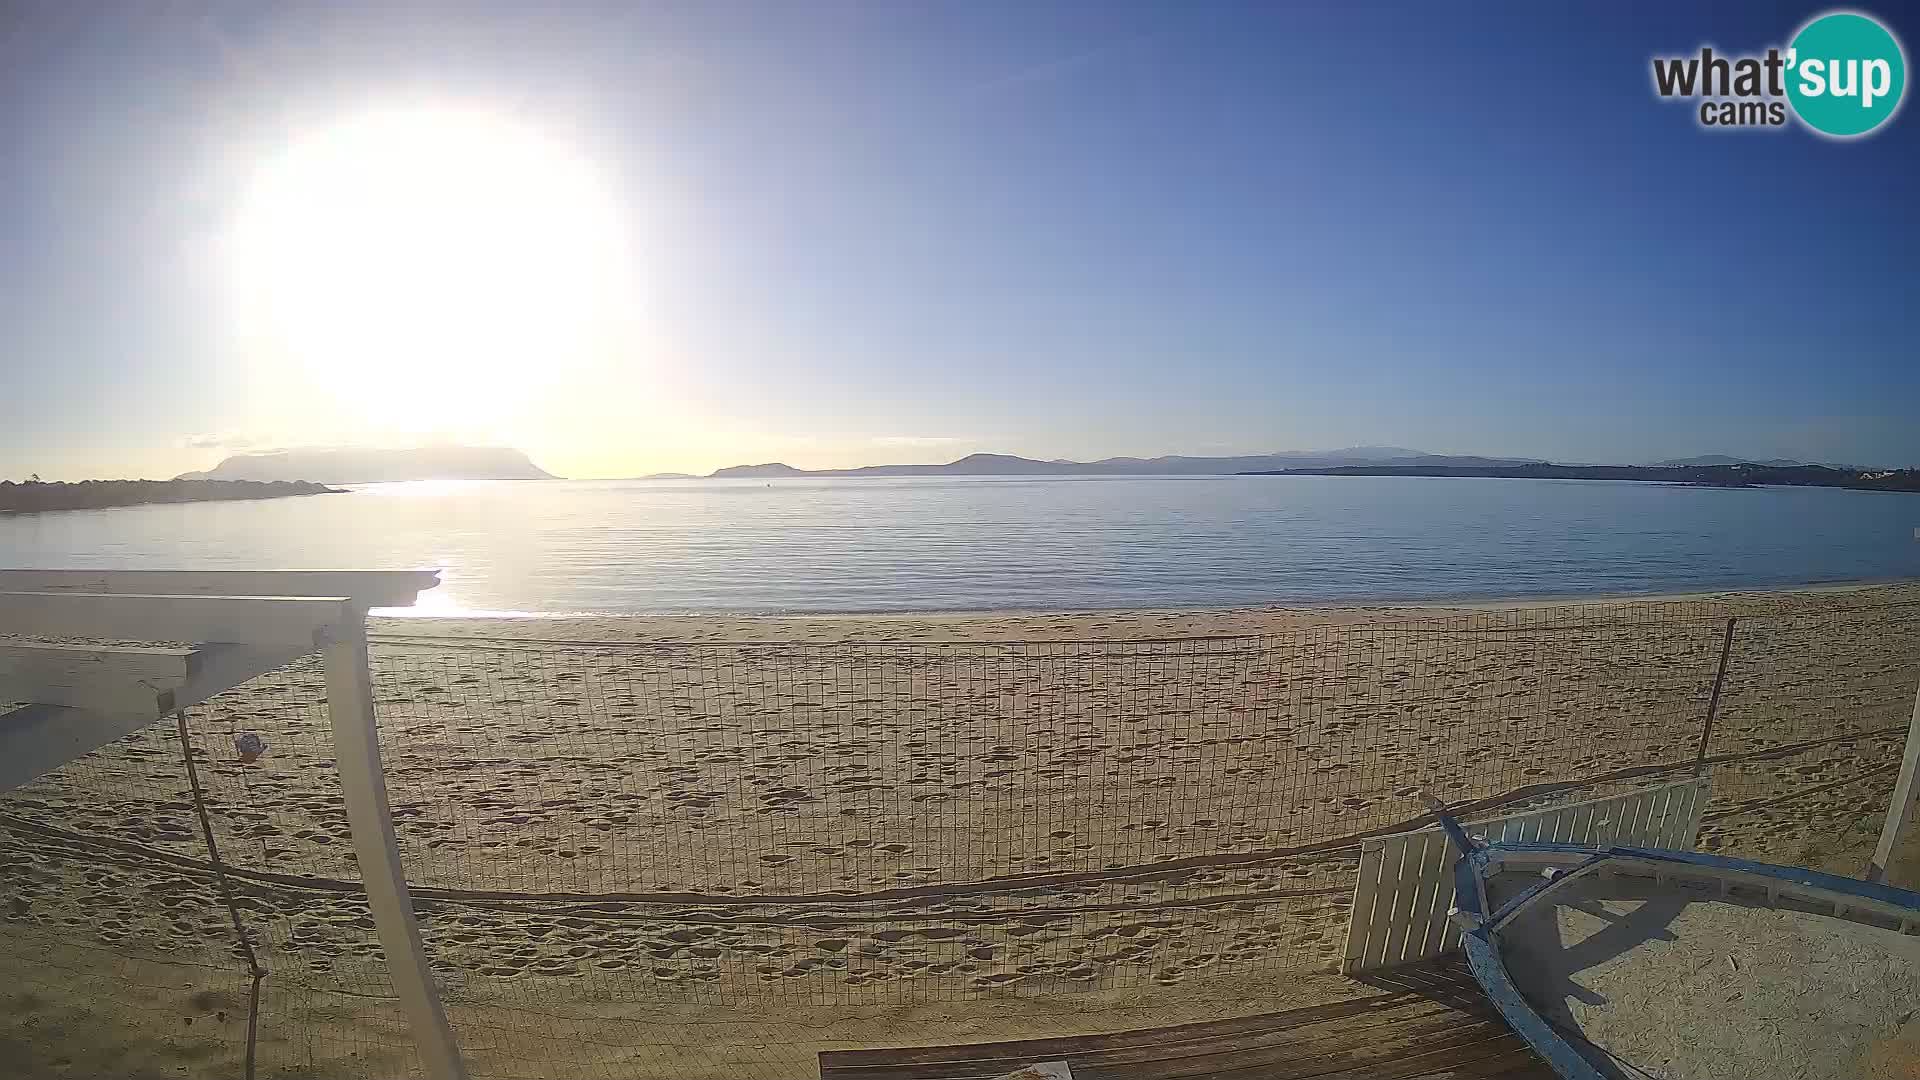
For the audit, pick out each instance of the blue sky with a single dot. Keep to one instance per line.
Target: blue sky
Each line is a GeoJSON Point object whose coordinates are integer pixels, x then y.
{"type": "Point", "coordinates": [907, 231]}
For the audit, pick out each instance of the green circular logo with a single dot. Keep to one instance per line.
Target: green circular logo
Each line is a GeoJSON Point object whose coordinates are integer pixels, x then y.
{"type": "Point", "coordinates": [1845, 74]}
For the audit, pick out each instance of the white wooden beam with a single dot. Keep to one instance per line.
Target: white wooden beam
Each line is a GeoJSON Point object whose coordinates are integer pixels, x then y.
{"type": "Point", "coordinates": [1900, 807]}
{"type": "Point", "coordinates": [271, 621]}
{"type": "Point", "coordinates": [219, 668]}
{"type": "Point", "coordinates": [104, 678]}
{"type": "Point", "coordinates": [37, 739]}
{"type": "Point", "coordinates": [363, 778]}
{"type": "Point", "coordinates": [371, 588]}
{"type": "Point", "coordinates": [41, 737]}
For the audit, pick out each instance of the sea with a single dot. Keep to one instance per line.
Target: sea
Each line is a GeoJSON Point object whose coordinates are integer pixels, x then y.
{"type": "Point", "coordinates": [619, 547]}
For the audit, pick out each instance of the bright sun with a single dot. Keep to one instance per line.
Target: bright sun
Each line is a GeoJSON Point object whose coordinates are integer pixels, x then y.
{"type": "Point", "coordinates": [430, 266]}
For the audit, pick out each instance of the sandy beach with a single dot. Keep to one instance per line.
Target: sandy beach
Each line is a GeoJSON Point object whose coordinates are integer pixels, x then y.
{"type": "Point", "coordinates": [709, 846]}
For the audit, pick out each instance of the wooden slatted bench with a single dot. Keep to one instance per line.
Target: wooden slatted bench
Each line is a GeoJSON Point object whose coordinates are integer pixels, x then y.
{"type": "Point", "coordinates": [1425, 1023]}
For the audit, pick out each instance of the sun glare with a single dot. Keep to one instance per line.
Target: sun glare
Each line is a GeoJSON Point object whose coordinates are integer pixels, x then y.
{"type": "Point", "coordinates": [431, 266]}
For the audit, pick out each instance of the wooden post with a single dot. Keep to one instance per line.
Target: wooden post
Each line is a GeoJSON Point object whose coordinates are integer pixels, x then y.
{"type": "Point", "coordinates": [1900, 810]}
{"type": "Point", "coordinates": [1713, 703]}
{"type": "Point", "coordinates": [356, 744]}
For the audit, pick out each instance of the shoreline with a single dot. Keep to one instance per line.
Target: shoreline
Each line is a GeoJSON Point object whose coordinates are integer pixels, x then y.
{"type": "Point", "coordinates": [1462, 603]}
{"type": "Point", "coordinates": [1120, 624]}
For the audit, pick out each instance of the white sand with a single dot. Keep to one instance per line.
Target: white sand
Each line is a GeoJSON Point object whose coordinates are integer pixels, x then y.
{"type": "Point", "coordinates": [1683, 987]}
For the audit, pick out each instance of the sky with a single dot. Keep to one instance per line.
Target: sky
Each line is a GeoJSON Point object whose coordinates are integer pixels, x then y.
{"type": "Point", "coordinates": [631, 238]}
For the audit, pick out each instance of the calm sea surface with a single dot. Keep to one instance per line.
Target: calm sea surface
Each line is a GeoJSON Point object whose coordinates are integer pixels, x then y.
{"type": "Point", "coordinates": [634, 547]}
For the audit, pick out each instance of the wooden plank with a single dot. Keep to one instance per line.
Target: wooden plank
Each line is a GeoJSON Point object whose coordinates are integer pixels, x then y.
{"type": "Point", "coordinates": [1400, 903]}
{"type": "Point", "coordinates": [103, 678]}
{"type": "Point", "coordinates": [250, 620]}
{"type": "Point", "coordinates": [1607, 824]}
{"type": "Point", "coordinates": [1552, 823]}
{"type": "Point", "coordinates": [369, 588]}
{"type": "Point", "coordinates": [1296, 1048]}
{"type": "Point", "coordinates": [1391, 910]}
{"type": "Point", "coordinates": [1433, 864]}
{"type": "Point", "coordinates": [1335, 1048]}
{"type": "Point", "coordinates": [1684, 834]}
{"type": "Point", "coordinates": [1496, 1054]}
{"type": "Point", "coordinates": [1385, 1054]}
{"type": "Point", "coordinates": [1619, 826]}
{"type": "Point", "coordinates": [1673, 823]}
{"type": "Point", "coordinates": [363, 780]}
{"type": "Point", "coordinates": [1437, 898]}
{"type": "Point", "coordinates": [1559, 827]}
{"type": "Point", "coordinates": [1673, 828]}
{"type": "Point", "coordinates": [1697, 800]}
{"type": "Point", "coordinates": [1549, 823]}
{"type": "Point", "coordinates": [1529, 827]}
{"type": "Point", "coordinates": [1660, 803]}
{"type": "Point", "coordinates": [1584, 815]}
{"type": "Point", "coordinates": [1639, 807]}
{"type": "Point", "coordinates": [1683, 828]}
{"type": "Point", "coordinates": [1654, 826]}
{"type": "Point", "coordinates": [1365, 886]}
{"type": "Point", "coordinates": [1900, 807]}
{"type": "Point", "coordinates": [1336, 1013]}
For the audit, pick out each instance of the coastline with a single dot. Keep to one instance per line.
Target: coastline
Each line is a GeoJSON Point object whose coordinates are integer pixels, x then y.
{"type": "Point", "coordinates": [926, 627]}
{"type": "Point", "coordinates": [46, 497]}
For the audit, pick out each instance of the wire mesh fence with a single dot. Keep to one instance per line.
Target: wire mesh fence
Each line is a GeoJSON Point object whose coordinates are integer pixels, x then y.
{"type": "Point", "coordinates": [117, 933]}
{"type": "Point", "coordinates": [621, 853]}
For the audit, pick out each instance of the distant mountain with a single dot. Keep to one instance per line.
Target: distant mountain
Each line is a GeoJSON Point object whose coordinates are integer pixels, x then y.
{"type": "Point", "coordinates": [668, 476]}
{"type": "Point", "coordinates": [1722, 459]}
{"type": "Point", "coordinates": [1743, 475]}
{"type": "Point", "coordinates": [356, 465]}
{"type": "Point", "coordinates": [1177, 465]}
{"type": "Point", "coordinates": [755, 472]}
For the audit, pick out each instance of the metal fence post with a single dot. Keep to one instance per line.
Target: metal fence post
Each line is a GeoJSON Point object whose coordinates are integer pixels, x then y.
{"type": "Point", "coordinates": [1900, 809]}
{"type": "Point", "coordinates": [1713, 702]}
{"type": "Point", "coordinates": [356, 746]}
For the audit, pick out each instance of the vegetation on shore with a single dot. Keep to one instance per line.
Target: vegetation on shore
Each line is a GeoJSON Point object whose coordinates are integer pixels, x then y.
{"type": "Point", "coordinates": [1744, 475]}
{"type": "Point", "coordinates": [36, 495]}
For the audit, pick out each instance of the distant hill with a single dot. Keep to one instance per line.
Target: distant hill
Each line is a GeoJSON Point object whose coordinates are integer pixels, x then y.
{"type": "Point", "coordinates": [1745, 474]}
{"type": "Point", "coordinates": [356, 465]}
{"type": "Point", "coordinates": [36, 496]}
{"type": "Point", "coordinates": [1176, 465]}
{"type": "Point", "coordinates": [1722, 459]}
{"type": "Point", "coordinates": [668, 476]}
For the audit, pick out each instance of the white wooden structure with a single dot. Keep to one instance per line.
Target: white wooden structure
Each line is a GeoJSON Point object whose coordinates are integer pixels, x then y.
{"type": "Point", "coordinates": [1906, 792]}
{"type": "Point", "coordinates": [1405, 887]}
{"type": "Point", "coordinates": [74, 699]}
